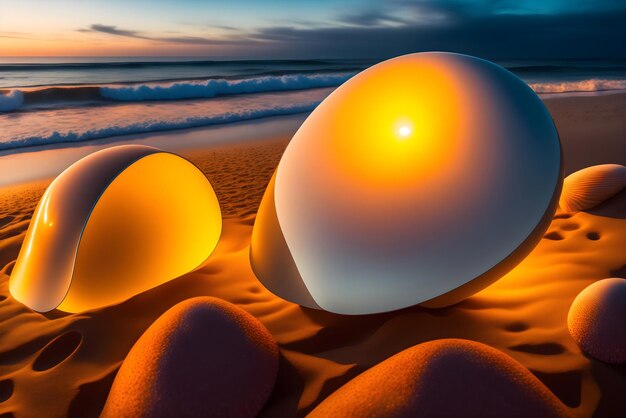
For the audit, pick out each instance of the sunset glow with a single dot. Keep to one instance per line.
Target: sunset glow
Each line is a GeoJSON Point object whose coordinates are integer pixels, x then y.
{"type": "Point", "coordinates": [325, 28]}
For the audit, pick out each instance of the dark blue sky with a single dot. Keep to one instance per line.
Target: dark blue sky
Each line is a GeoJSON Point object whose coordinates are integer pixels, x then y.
{"type": "Point", "coordinates": [496, 29]}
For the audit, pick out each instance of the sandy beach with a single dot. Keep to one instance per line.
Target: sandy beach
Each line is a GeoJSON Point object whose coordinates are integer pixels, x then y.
{"type": "Point", "coordinates": [67, 362]}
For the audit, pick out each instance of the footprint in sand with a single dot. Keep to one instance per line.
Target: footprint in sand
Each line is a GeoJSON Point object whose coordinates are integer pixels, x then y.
{"type": "Point", "coordinates": [593, 236]}
{"type": "Point", "coordinates": [545, 349]}
{"type": "Point", "coordinates": [5, 220]}
{"type": "Point", "coordinates": [570, 226]}
{"type": "Point", "coordinates": [516, 327]}
{"type": "Point", "coordinates": [6, 389]}
{"type": "Point", "coordinates": [58, 350]}
{"type": "Point", "coordinates": [554, 236]}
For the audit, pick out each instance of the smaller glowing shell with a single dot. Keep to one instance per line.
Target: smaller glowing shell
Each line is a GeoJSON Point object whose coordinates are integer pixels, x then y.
{"type": "Point", "coordinates": [591, 186]}
{"type": "Point", "coordinates": [114, 224]}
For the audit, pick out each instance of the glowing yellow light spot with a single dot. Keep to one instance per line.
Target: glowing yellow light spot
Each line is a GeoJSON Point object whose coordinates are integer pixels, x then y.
{"type": "Point", "coordinates": [409, 133]}
{"type": "Point", "coordinates": [404, 131]}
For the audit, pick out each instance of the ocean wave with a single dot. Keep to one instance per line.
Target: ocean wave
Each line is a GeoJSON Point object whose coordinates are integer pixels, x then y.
{"type": "Point", "coordinates": [588, 85]}
{"type": "Point", "coordinates": [71, 96]}
{"type": "Point", "coordinates": [56, 137]}
{"type": "Point", "coordinates": [11, 100]}
{"type": "Point", "coordinates": [222, 87]}
{"type": "Point", "coordinates": [77, 96]}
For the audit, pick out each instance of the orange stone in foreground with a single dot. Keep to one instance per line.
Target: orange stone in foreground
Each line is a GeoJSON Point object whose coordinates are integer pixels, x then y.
{"type": "Point", "coordinates": [202, 358]}
{"type": "Point", "coordinates": [444, 378]}
{"type": "Point", "coordinates": [597, 320]}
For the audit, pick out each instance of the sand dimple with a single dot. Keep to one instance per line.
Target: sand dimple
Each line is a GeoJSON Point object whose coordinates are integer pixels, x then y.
{"type": "Point", "coordinates": [6, 389]}
{"type": "Point", "coordinates": [554, 236]}
{"type": "Point", "coordinates": [59, 350]}
{"type": "Point", "coordinates": [516, 326]}
{"type": "Point", "coordinates": [572, 226]}
{"type": "Point", "coordinates": [545, 349]}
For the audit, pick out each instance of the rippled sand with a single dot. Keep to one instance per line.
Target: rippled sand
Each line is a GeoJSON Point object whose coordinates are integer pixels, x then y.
{"type": "Point", "coordinates": [63, 365]}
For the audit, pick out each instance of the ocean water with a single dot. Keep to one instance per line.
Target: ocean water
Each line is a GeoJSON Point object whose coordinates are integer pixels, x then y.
{"type": "Point", "coordinates": [58, 100]}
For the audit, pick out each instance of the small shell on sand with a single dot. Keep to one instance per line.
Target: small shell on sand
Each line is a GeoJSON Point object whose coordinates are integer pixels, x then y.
{"type": "Point", "coordinates": [596, 320]}
{"type": "Point", "coordinates": [591, 186]}
{"type": "Point", "coordinates": [449, 378]}
{"type": "Point", "coordinates": [202, 358]}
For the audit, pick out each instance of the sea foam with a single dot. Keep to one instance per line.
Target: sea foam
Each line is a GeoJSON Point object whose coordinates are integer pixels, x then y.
{"type": "Point", "coordinates": [222, 87]}
{"type": "Point", "coordinates": [66, 136]}
{"type": "Point", "coordinates": [588, 85]}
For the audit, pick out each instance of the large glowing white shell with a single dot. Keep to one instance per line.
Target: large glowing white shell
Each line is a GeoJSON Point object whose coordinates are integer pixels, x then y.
{"type": "Point", "coordinates": [421, 180]}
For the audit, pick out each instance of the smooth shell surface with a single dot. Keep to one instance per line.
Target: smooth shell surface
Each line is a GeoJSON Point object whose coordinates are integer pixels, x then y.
{"type": "Point", "coordinates": [597, 320]}
{"type": "Point", "coordinates": [202, 358]}
{"type": "Point", "coordinates": [420, 180]}
{"type": "Point", "coordinates": [114, 224]}
{"type": "Point", "coordinates": [591, 186]}
{"type": "Point", "coordinates": [444, 378]}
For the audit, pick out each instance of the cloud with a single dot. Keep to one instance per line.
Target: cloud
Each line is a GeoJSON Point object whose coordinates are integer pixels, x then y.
{"type": "Point", "coordinates": [113, 30]}
{"type": "Point", "coordinates": [189, 40]}
{"type": "Point", "coordinates": [372, 18]}
{"type": "Point", "coordinates": [495, 29]}
{"type": "Point", "coordinates": [502, 36]}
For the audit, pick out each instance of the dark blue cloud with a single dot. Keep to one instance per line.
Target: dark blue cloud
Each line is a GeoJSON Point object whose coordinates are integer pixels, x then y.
{"type": "Point", "coordinates": [189, 40]}
{"type": "Point", "coordinates": [493, 29]}
{"type": "Point", "coordinates": [489, 32]}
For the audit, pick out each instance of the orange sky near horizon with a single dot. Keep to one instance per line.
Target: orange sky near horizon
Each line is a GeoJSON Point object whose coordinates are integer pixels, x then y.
{"type": "Point", "coordinates": [55, 47]}
{"type": "Point", "coordinates": [122, 28]}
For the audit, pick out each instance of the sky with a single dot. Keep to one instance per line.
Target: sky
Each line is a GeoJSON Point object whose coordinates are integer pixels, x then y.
{"type": "Point", "coordinates": [284, 29]}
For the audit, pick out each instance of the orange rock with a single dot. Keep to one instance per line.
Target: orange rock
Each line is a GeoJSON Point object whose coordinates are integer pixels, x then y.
{"type": "Point", "coordinates": [596, 320]}
{"type": "Point", "coordinates": [202, 358]}
{"type": "Point", "coordinates": [444, 378]}
{"type": "Point", "coordinates": [591, 186]}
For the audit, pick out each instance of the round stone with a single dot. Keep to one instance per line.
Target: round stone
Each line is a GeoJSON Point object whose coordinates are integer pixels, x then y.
{"type": "Point", "coordinates": [204, 357]}
{"type": "Point", "coordinates": [596, 320]}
